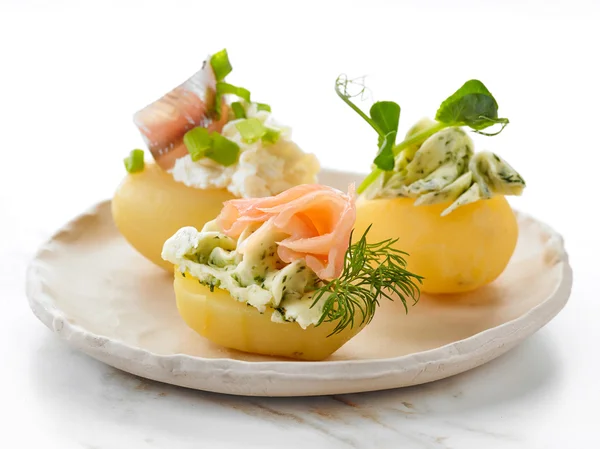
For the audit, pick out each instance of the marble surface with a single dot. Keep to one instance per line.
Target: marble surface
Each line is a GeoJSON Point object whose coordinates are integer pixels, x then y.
{"type": "Point", "coordinates": [71, 77]}
{"type": "Point", "coordinates": [500, 405]}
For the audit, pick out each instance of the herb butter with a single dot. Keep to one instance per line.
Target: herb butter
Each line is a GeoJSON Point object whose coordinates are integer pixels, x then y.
{"type": "Point", "coordinates": [249, 269]}
{"type": "Point", "coordinates": [445, 168]}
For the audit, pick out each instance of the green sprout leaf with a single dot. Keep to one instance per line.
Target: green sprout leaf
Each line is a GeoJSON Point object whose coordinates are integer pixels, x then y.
{"type": "Point", "coordinates": [472, 105]}
{"type": "Point", "coordinates": [342, 84]}
{"type": "Point", "coordinates": [384, 119]}
{"type": "Point", "coordinates": [238, 110]}
{"type": "Point", "coordinates": [220, 64]}
{"type": "Point", "coordinates": [386, 114]}
{"type": "Point", "coordinates": [135, 161]}
{"type": "Point", "coordinates": [385, 156]}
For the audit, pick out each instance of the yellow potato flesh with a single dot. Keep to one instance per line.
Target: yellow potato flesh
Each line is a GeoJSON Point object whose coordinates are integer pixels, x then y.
{"type": "Point", "coordinates": [149, 207]}
{"type": "Point", "coordinates": [460, 252]}
{"type": "Point", "coordinates": [233, 324]}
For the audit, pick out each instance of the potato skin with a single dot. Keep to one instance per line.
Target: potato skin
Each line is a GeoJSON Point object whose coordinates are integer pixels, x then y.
{"type": "Point", "coordinates": [232, 324]}
{"type": "Point", "coordinates": [149, 207]}
{"type": "Point", "coordinates": [460, 252]}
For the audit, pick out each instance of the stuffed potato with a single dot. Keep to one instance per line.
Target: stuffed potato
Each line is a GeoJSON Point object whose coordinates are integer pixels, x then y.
{"type": "Point", "coordinates": [446, 206]}
{"type": "Point", "coordinates": [232, 324]}
{"type": "Point", "coordinates": [435, 196]}
{"type": "Point", "coordinates": [459, 252]}
{"type": "Point", "coordinates": [149, 207]}
{"type": "Point", "coordinates": [271, 275]}
{"type": "Point", "coordinates": [207, 150]}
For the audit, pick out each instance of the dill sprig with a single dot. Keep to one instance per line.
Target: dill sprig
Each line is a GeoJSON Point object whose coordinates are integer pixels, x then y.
{"type": "Point", "coordinates": [371, 271]}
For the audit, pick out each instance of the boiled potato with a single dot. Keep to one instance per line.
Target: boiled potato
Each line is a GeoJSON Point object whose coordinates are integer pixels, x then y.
{"type": "Point", "coordinates": [149, 207]}
{"type": "Point", "coordinates": [230, 323]}
{"type": "Point", "coordinates": [460, 252]}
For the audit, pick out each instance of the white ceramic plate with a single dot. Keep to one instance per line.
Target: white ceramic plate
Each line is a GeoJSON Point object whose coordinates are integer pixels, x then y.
{"type": "Point", "coordinates": [92, 289]}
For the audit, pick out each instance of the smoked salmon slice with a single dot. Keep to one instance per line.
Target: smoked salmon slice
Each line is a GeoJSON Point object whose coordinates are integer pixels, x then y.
{"type": "Point", "coordinates": [317, 220]}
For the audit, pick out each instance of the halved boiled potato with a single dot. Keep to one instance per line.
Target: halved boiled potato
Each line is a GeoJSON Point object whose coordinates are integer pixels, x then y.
{"type": "Point", "coordinates": [150, 206]}
{"type": "Point", "coordinates": [460, 252]}
{"type": "Point", "coordinates": [233, 324]}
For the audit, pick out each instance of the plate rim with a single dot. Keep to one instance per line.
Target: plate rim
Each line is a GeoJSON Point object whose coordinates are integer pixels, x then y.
{"type": "Point", "coordinates": [45, 309]}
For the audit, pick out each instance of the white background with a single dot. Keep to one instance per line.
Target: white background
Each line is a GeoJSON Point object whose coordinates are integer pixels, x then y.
{"type": "Point", "coordinates": [73, 73]}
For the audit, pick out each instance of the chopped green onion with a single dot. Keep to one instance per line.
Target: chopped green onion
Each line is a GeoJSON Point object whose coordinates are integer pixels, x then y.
{"type": "Point", "coordinates": [251, 129]}
{"type": "Point", "coordinates": [238, 109]}
{"type": "Point", "coordinates": [263, 107]}
{"type": "Point", "coordinates": [220, 64]}
{"type": "Point", "coordinates": [135, 161]}
{"type": "Point", "coordinates": [223, 150]}
{"type": "Point", "coordinates": [271, 136]}
{"type": "Point", "coordinates": [226, 88]}
{"type": "Point", "coordinates": [200, 143]}
{"type": "Point", "coordinates": [197, 142]}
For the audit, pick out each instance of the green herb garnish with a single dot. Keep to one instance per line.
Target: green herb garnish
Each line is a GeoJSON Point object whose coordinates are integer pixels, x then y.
{"type": "Point", "coordinates": [263, 107]}
{"type": "Point", "coordinates": [271, 135]}
{"type": "Point", "coordinates": [222, 67]}
{"type": "Point", "coordinates": [226, 88]}
{"type": "Point", "coordinates": [384, 118]}
{"type": "Point", "coordinates": [251, 129]}
{"type": "Point", "coordinates": [223, 150]}
{"type": "Point", "coordinates": [371, 271]}
{"type": "Point", "coordinates": [238, 110]}
{"type": "Point", "coordinates": [472, 105]}
{"type": "Point", "coordinates": [220, 64]}
{"type": "Point", "coordinates": [386, 115]}
{"type": "Point", "coordinates": [197, 142]}
{"type": "Point", "coordinates": [135, 161]}
{"type": "Point", "coordinates": [220, 149]}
